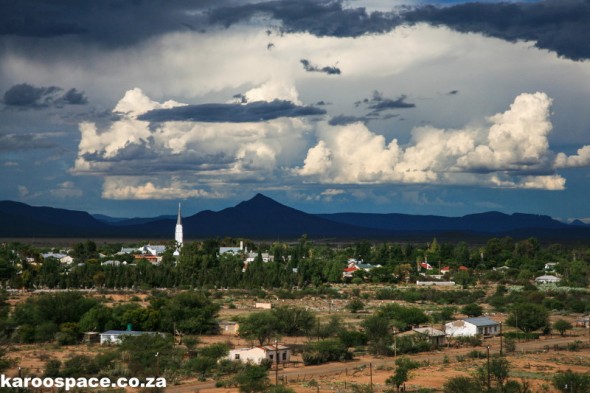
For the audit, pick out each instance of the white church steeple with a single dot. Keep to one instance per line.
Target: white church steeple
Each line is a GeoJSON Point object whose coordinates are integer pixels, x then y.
{"type": "Point", "coordinates": [178, 232]}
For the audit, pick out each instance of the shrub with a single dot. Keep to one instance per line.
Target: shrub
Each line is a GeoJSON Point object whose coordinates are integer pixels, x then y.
{"type": "Point", "coordinates": [325, 351]}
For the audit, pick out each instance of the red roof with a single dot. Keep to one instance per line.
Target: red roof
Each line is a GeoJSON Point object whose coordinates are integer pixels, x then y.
{"type": "Point", "coordinates": [351, 269]}
{"type": "Point", "coordinates": [463, 268]}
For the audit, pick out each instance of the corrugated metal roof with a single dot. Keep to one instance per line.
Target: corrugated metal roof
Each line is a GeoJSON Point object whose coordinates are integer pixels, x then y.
{"type": "Point", "coordinates": [481, 321]}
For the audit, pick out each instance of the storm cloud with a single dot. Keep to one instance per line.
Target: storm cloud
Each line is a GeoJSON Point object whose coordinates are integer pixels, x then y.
{"type": "Point", "coordinates": [309, 67]}
{"type": "Point", "coordinates": [110, 23]}
{"type": "Point", "coordinates": [556, 25]}
{"type": "Point", "coordinates": [30, 141]}
{"type": "Point", "coordinates": [231, 113]}
{"type": "Point", "coordinates": [377, 103]}
{"type": "Point", "coordinates": [26, 96]}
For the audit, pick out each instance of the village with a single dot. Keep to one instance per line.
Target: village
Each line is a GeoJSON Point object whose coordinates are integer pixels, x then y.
{"type": "Point", "coordinates": [312, 317]}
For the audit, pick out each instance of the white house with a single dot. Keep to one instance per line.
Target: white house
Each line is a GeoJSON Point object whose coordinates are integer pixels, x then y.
{"type": "Point", "coordinates": [116, 336]}
{"type": "Point", "coordinates": [63, 258]}
{"type": "Point", "coordinates": [550, 267]}
{"type": "Point", "coordinates": [266, 257]}
{"type": "Point", "coordinates": [470, 327]}
{"type": "Point", "coordinates": [547, 279]}
{"type": "Point", "coordinates": [257, 354]}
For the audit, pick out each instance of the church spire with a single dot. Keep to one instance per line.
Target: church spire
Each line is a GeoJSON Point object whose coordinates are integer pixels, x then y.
{"type": "Point", "coordinates": [178, 232]}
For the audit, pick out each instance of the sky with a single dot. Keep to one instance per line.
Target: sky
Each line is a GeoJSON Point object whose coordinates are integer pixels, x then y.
{"type": "Point", "coordinates": [126, 108]}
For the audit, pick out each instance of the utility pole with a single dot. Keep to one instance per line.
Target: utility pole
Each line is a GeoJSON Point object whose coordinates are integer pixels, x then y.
{"type": "Point", "coordinates": [277, 356]}
{"type": "Point", "coordinates": [371, 376]}
{"type": "Point", "coordinates": [489, 380]}
{"type": "Point", "coordinates": [501, 338]}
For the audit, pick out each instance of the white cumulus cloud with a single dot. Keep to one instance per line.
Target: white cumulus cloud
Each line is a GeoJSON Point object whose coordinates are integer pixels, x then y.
{"type": "Point", "coordinates": [511, 150]}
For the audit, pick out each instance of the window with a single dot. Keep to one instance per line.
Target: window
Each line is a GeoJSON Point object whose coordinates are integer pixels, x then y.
{"type": "Point", "coordinates": [237, 356]}
{"type": "Point", "coordinates": [270, 357]}
{"type": "Point", "coordinates": [284, 355]}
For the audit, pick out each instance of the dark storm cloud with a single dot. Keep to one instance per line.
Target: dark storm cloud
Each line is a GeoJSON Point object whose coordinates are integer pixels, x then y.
{"type": "Point", "coordinates": [342, 120]}
{"type": "Point", "coordinates": [19, 142]}
{"type": "Point", "coordinates": [232, 113]}
{"type": "Point", "coordinates": [309, 67]}
{"type": "Point", "coordinates": [74, 97]}
{"type": "Point", "coordinates": [378, 103]}
{"type": "Point", "coordinates": [319, 17]}
{"type": "Point", "coordinates": [25, 96]}
{"type": "Point", "coordinates": [557, 25]}
{"type": "Point", "coordinates": [113, 22]}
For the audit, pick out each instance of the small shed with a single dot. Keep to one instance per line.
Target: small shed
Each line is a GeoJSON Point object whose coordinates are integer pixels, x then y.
{"type": "Point", "coordinates": [229, 328]}
{"type": "Point", "coordinates": [435, 336]}
{"type": "Point", "coordinates": [91, 338]}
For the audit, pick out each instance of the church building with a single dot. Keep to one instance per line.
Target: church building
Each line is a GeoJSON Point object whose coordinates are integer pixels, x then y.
{"type": "Point", "coordinates": [178, 232]}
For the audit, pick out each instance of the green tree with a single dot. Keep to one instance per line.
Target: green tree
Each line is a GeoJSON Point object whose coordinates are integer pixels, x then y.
{"type": "Point", "coordinates": [561, 325]}
{"type": "Point", "coordinates": [571, 382]}
{"type": "Point", "coordinates": [253, 379]}
{"type": "Point", "coordinates": [378, 331]}
{"type": "Point", "coordinates": [462, 385]}
{"type": "Point", "coordinates": [191, 312]}
{"type": "Point", "coordinates": [472, 310]}
{"type": "Point", "coordinates": [259, 326]}
{"type": "Point", "coordinates": [294, 321]}
{"type": "Point", "coordinates": [402, 372]}
{"type": "Point", "coordinates": [146, 354]}
{"type": "Point", "coordinates": [355, 305]}
{"type": "Point", "coordinates": [528, 317]}
{"type": "Point", "coordinates": [403, 317]}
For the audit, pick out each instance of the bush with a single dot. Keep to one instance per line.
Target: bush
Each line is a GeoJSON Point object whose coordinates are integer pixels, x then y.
{"type": "Point", "coordinates": [522, 336]}
{"type": "Point", "coordinates": [325, 351]}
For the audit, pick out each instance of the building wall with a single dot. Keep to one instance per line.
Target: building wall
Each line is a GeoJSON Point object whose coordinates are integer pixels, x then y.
{"type": "Point", "coordinates": [460, 329]}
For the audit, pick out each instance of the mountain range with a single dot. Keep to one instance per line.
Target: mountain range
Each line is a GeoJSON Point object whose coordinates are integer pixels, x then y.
{"type": "Point", "coordinates": [264, 218]}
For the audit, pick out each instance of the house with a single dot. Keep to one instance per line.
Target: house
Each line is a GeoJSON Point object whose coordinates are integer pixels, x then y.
{"type": "Point", "coordinates": [116, 336]}
{"type": "Point", "coordinates": [266, 257]}
{"type": "Point", "coordinates": [550, 267]}
{"type": "Point", "coordinates": [112, 262]}
{"type": "Point", "coordinates": [152, 250]}
{"type": "Point", "coordinates": [348, 271]}
{"type": "Point", "coordinates": [583, 321]}
{"type": "Point", "coordinates": [470, 327]}
{"type": "Point", "coordinates": [547, 279]}
{"type": "Point", "coordinates": [153, 259]}
{"type": "Point", "coordinates": [463, 268]}
{"type": "Point", "coordinates": [435, 336]}
{"type": "Point", "coordinates": [62, 258]}
{"type": "Point", "coordinates": [445, 269]}
{"type": "Point", "coordinates": [229, 328]}
{"type": "Point", "coordinates": [230, 250]}
{"type": "Point", "coordinates": [257, 354]}
{"type": "Point", "coordinates": [426, 266]}
{"type": "Point", "coordinates": [354, 265]}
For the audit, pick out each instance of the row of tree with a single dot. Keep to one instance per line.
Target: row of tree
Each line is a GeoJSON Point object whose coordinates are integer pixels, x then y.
{"type": "Point", "coordinates": [300, 264]}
